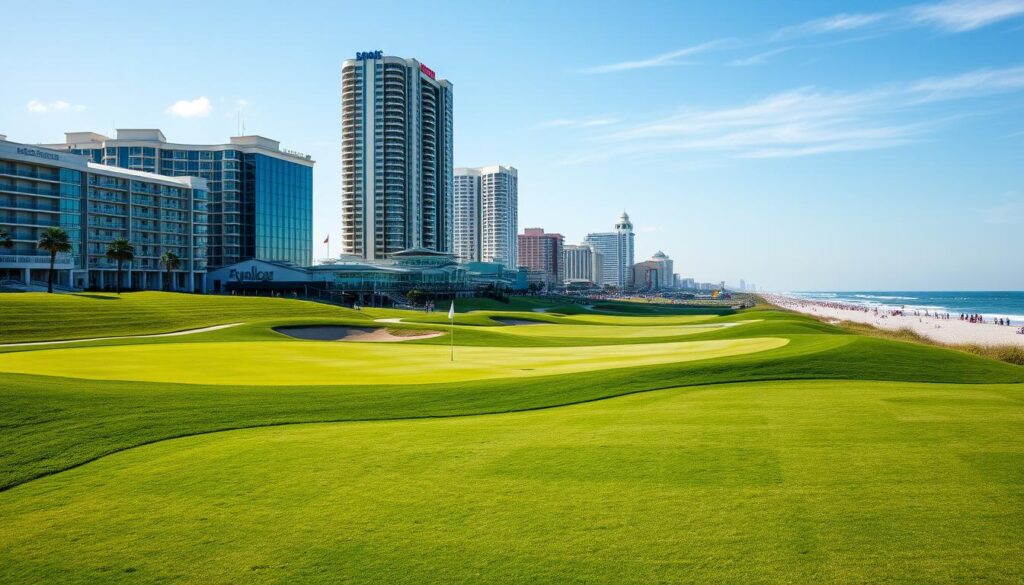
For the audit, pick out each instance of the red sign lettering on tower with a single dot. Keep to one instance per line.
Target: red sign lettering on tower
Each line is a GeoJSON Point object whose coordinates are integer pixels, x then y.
{"type": "Point", "coordinates": [427, 70]}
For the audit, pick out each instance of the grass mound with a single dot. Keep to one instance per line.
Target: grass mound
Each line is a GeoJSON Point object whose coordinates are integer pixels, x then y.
{"type": "Point", "coordinates": [780, 482]}
{"type": "Point", "coordinates": [43, 317]}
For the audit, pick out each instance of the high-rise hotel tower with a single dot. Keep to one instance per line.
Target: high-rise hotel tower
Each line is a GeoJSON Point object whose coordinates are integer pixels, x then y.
{"type": "Point", "coordinates": [396, 144]}
{"type": "Point", "coordinates": [616, 249]}
{"type": "Point", "coordinates": [486, 214]}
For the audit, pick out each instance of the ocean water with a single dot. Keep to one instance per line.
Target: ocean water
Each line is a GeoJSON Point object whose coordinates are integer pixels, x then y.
{"type": "Point", "coordinates": [991, 304]}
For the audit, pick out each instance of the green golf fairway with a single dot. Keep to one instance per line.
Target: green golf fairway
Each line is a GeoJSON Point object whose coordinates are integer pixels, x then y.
{"type": "Point", "coordinates": [770, 482]}
{"type": "Point", "coordinates": [297, 363]}
{"type": "Point", "coordinates": [653, 445]}
{"type": "Point", "coordinates": [608, 331]}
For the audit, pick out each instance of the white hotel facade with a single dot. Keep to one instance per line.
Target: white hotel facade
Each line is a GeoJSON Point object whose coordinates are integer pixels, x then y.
{"type": "Point", "coordinates": [583, 263]}
{"type": "Point", "coordinates": [486, 215]}
{"type": "Point", "coordinates": [397, 170]}
{"type": "Point", "coordinates": [95, 204]}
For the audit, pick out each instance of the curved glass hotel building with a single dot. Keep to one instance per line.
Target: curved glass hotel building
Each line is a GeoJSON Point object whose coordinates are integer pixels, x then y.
{"type": "Point", "coordinates": [396, 157]}
{"type": "Point", "coordinates": [95, 204]}
{"type": "Point", "coordinates": [261, 196]}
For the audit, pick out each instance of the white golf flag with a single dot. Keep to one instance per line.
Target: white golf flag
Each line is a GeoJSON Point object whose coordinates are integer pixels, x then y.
{"type": "Point", "coordinates": [451, 311]}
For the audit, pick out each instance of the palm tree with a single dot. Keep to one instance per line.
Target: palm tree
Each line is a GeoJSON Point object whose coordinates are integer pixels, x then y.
{"type": "Point", "coordinates": [171, 262]}
{"type": "Point", "coordinates": [120, 251]}
{"type": "Point", "coordinates": [5, 239]}
{"type": "Point", "coordinates": [55, 241]}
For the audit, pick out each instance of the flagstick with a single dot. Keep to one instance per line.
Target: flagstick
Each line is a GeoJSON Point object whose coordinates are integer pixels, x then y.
{"type": "Point", "coordinates": [452, 334]}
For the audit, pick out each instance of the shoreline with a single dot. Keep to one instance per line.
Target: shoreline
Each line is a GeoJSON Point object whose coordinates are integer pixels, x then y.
{"type": "Point", "coordinates": [951, 331]}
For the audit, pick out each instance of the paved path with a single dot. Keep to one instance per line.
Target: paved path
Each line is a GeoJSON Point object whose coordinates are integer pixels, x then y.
{"type": "Point", "coordinates": [172, 334]}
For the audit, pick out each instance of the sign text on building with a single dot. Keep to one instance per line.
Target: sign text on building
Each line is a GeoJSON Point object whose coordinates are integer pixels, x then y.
{"type": "Point", "coordinates": [251, 274]}
{"type": "Point", "coordinates": [364, 55]}
{"type": "Point", "coordinates": [40, 153]}
{"type": "Point", "coordinates": [427, 71]}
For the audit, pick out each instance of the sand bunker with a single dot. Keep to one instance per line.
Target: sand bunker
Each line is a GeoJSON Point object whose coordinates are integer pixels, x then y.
{"type": "Point", "coordinates": [340, 333]}
{"type": "Point", "coordinates": [519, 322]}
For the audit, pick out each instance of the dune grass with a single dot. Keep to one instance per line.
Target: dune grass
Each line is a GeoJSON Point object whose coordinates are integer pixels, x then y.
{"type": "Point", "coordinates": [813, 481]}
{"type": "Point", "coordinates": [1013, 354]}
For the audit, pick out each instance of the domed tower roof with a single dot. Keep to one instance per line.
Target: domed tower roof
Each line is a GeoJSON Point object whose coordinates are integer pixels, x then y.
{"type": "Point", "coordinates": [659, 255]}
{"type": "Point", "coordinates": [624, 223]}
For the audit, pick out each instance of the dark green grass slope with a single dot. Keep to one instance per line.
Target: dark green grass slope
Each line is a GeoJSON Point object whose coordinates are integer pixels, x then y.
{"type": "Point", "coordinates": [51, 424]}
{"type": "Point", "coordinates": [42, 317]}
{"type": "Point", "coordinates": [782, 482]}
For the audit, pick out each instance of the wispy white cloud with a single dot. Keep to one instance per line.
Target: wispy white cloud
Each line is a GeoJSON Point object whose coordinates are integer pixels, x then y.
{"type": "Point", "coordinates": [978, 82]}
{"type": "Point", "coordinates": [950, 16]}
{"type": "Point", "coordinates": [556, 123]}
{"type": "Point", "coordinates": [676, 57]}
{"type": "Point", "coordinates": [197, 108]}
{"type": "Point", "coordinates": [40, 107]}
{"type": "Point", "coordinates": [588, 123]}
{"type": "Point", "coordinates": [598, 122]}
{"type": "Point", "coordinates": [966, 15]}
{"type": "Point", "coordinates": [759, 58]}
{"type": "Point", "coordinates": [808, 121]}
{"type": "Point", "coordinates": [836, 23]}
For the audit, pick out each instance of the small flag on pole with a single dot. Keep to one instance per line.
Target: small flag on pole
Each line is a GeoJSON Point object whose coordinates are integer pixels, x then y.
{"type": "Point", "coordinates": [451, 320]}
{"type": "Point", "coordinates": [327, 240]}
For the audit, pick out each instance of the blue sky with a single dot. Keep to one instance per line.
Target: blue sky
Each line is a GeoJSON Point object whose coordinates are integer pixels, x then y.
{"type": "Point", "coordinates": [812, 145]}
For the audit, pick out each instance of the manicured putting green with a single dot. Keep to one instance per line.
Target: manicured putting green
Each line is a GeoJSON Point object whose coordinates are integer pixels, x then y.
{"type": "Point", "coordinates": [298, 363]}
{"type": "Point", "coordinates": [784, 482]}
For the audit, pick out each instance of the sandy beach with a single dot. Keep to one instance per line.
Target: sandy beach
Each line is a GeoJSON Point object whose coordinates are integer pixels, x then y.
{"type": "Point", "coordinates": [951, 330]}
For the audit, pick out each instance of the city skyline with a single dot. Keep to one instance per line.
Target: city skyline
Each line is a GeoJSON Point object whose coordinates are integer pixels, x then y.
{"type": "Point", "coordinates": [804, 148]}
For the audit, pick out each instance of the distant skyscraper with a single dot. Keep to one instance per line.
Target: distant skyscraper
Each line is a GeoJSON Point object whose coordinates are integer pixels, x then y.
{"type": "Point", "coordinates": [743, 285]}
{"type": "Point", "coordinates": [261, 196]}
{"type": "Point", "coordinates": [583, 263]}
{"type": "Point", "coordinates": [541, 253]}
{"type": "Point", "coordinates": [486, 214]}
{"type": "Point", "coordinates": [466, 215]}
{"type": "Point", "coordinates": [396, 142]}
{"type": "Point", "coordinates": [616, 248]}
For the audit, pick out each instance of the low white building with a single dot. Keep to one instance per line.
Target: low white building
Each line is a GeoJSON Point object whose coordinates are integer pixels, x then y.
{"type": "Point", "coordinates": [583, 263]}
